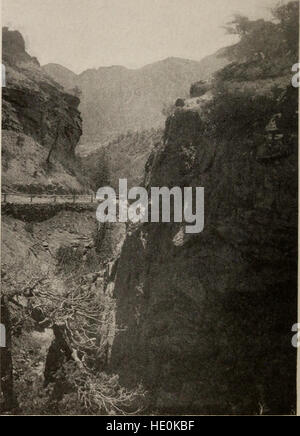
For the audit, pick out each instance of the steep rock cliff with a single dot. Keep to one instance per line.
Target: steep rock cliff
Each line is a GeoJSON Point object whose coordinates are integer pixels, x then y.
{"type": "Point", "coordinates": [41, 126]}
{"type": "Point", "coordinates": [33, 103]}
{"type": "Point", "coordinates": [205, 319]}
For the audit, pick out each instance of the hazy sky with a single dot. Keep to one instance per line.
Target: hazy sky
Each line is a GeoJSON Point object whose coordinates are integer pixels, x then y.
{"type": "Point", "coordinates": [81, 34]}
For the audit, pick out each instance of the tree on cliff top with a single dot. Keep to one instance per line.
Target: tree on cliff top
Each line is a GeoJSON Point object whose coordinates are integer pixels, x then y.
{"type": "Point", "coordinates": [267, 49]}
{"type": "Point", "coordinates": [266, 40]}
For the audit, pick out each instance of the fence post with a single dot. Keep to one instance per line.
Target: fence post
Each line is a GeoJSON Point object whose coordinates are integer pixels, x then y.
{"type": "Point", "coordinates": [31, 198]}
{"type": "Point", "coordinates": [54, 199]}
{"type": "Point", "coordinates": [4, 200]}
{"type": "Point", "coordinates": [74, 198]}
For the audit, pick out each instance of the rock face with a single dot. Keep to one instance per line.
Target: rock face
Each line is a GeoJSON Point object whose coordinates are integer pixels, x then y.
{"type": "Point", "coordinates": [41, 126]}
{"type": "Point", "coordinates": [205, 319]}
{"type": "Point", "coordinates": [34, 104]}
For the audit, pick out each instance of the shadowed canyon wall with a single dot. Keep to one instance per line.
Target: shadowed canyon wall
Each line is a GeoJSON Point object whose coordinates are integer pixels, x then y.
{"type": "Point", "coordinates": [206, 319]}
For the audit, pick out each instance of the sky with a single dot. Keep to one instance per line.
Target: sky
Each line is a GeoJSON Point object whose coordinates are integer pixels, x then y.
{"type": "Point", "coordinates": [82, 34]}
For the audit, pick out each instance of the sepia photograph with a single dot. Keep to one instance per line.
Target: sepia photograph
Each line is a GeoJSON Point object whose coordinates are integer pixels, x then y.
{"type": "Point", "coordinates": [149, 210]}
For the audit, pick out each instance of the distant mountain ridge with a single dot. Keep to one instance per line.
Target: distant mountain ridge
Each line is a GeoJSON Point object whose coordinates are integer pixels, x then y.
{"type": "Point", "coordinates": [116, 99]}
{"type": "Point", "coordinates": [60, 74]}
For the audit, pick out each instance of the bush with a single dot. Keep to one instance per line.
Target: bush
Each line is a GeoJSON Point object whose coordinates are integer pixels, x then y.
{"type": "Point", "coordinates": [68, 258]}
{"type": "Point", "coordinates": [265, 40]}
{"type": "Point", "coordinates": [99, 394]}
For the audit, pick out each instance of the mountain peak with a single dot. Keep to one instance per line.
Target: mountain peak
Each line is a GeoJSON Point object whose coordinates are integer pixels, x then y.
{"type": "Point", "coordinates": [54, 65]}
{"type": "Point", "coordinates": [13, 48]}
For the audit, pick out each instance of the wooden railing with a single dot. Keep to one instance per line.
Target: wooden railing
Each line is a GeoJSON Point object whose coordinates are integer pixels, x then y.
{"type": "Point", "coordinates": [11, 198]}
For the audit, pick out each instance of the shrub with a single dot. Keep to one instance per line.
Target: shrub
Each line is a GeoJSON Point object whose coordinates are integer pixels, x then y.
{"type": "Point", "coordinates": [100, 393]}
{"type": "Point", "coordinates": [68, 258]}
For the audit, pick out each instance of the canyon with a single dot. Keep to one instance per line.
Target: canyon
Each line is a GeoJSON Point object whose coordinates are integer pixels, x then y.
{"type": "Point", "coordinates": [151, 318]}
{"type": "Point", "coordinates": [116, 99]}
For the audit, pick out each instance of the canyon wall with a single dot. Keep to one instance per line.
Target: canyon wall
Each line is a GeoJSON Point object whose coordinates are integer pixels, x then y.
{"type": "Point", "coordinates": [205, 320]}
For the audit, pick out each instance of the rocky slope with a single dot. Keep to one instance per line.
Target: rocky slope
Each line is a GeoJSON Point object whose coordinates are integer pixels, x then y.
{"type": "Point", "coordinates": [32, 236]}
{"type": "Point", "coordinates": [115, 99]}
{"type": "Point", "coordinates": [37, 116]}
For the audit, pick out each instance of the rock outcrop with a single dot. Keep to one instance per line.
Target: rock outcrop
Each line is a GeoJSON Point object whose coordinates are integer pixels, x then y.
{"type": "Point", "coordinates": [41, 126]}
{"type": "Point", "coordinates": [205, 320]}
{"type": "Point", "coordinates": [34, 104]}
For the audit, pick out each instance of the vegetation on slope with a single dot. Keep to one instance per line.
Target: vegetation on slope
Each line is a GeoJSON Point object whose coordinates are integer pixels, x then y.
{"type": "Point", "coordinates": [123, 157]}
